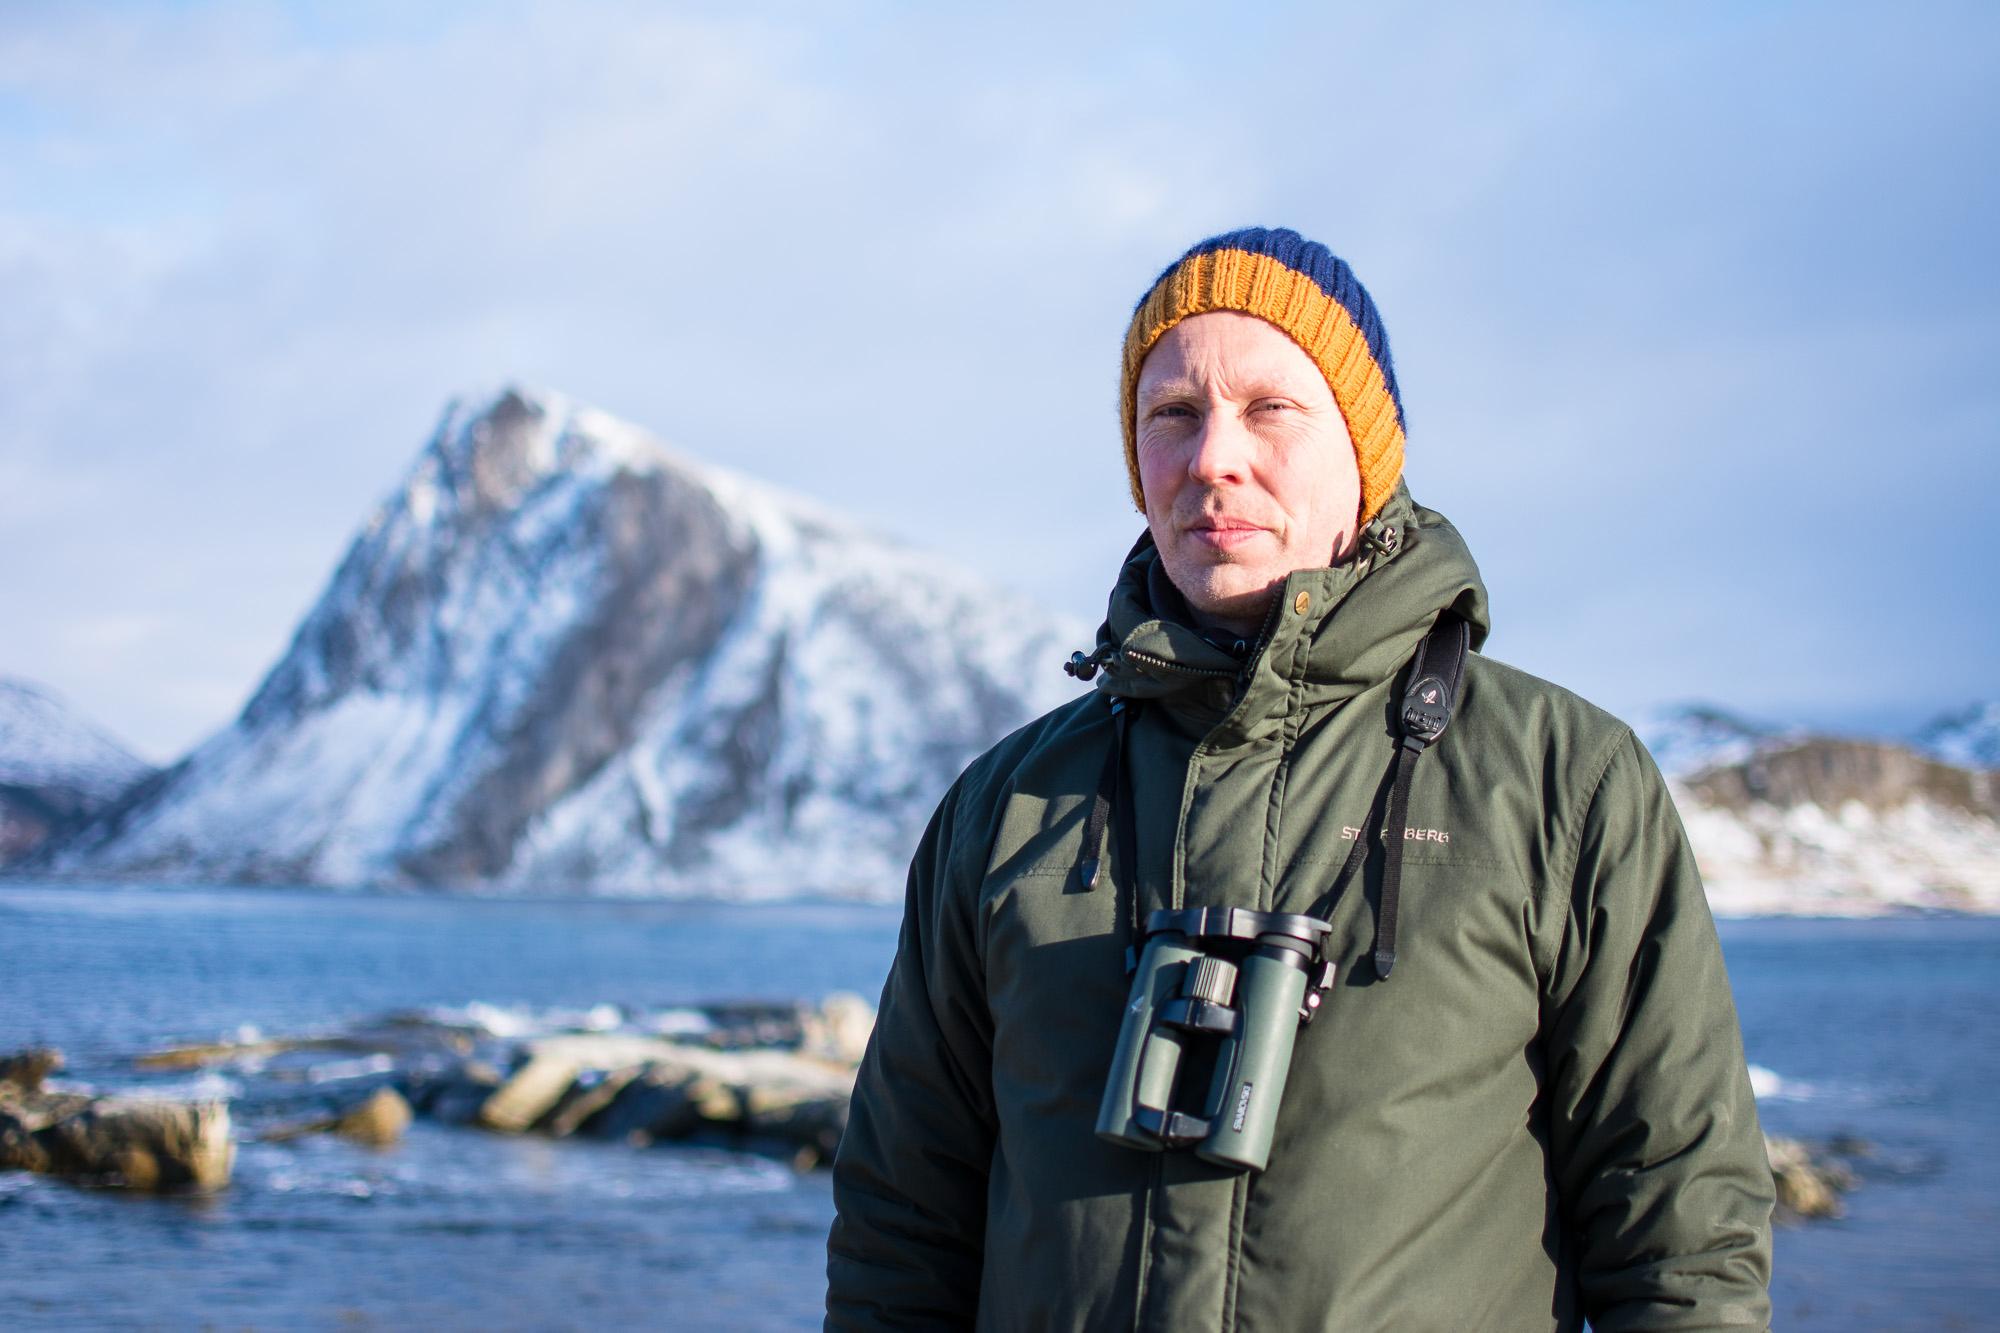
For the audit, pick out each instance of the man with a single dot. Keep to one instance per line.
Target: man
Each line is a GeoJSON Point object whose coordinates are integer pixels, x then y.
{"type": "Point", "coordinates": [1522, 1102]}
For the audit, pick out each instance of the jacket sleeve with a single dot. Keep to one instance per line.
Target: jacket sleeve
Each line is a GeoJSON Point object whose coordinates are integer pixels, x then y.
{"type": "Point", "coordinates": [1664, 1184]}
{"type": "Point", "coordinates": [909, 1180]}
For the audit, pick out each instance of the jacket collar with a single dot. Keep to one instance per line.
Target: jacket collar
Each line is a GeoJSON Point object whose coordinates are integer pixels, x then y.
{"type": "Point", "coordinates": [1330, 634]}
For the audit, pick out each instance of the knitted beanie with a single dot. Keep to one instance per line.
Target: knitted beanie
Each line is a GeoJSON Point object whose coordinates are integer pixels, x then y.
{"type": "Point", "coordinates": [1308, 292]}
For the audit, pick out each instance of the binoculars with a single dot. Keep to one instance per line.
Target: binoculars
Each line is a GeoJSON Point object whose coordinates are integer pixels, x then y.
{"type": "Point", "coordinates": [1221, 992]}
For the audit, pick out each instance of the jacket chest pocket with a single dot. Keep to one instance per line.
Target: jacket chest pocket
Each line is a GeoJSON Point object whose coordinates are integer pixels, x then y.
{"type": "Point", "coordinates": [1464, 959]}
{"type": "Point", "coordinates": [1055, 989]}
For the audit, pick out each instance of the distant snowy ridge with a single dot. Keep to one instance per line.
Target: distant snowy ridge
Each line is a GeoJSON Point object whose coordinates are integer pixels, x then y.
{"type": "Point", "coordinates": [562, 657]}
{"type": "Point", "coordinates": [1688, 738]}
{"type": "Point", "coordinates": [46, 743]}
{"type": "Point", "coordinates": [1969, 738]}
{"type": "Point", "coordinates": [56, 768]}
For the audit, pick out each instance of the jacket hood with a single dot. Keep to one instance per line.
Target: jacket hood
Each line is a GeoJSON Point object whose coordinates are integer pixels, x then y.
{"type": "Point", "coordinates": [1330, 634]}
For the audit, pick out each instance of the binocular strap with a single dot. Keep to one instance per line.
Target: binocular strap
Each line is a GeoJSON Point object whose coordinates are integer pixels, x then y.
{"type": "Point", "coordinates": [1428, 703]}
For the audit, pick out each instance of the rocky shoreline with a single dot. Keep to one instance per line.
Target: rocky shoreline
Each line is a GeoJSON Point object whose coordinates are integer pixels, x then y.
{"type": "Point", "coordinates": [768, 1078]}
{"type": "Point", "coordinates": [132, 1143]}
{"type": "Point", "coordinates": [773, 1079]}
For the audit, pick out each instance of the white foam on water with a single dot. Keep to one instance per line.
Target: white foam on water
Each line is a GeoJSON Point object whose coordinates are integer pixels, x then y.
{"type": "Point", "coordinates": [16, 1182]}
{"type": "Point", "coordinates": [495, 1020]}
{"type": "Point", "coordinates": [1766, 1085]}
{"type": "Point", "coordinates": [675, 1023]}
{"type": "Point", "coordinates": [334, 1071]}
{"type": "Point", "coordinates": [518, 1021]}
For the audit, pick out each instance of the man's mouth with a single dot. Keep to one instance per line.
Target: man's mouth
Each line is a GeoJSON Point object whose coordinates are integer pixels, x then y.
{"type": "Point", "coordinates": [1223, 534]}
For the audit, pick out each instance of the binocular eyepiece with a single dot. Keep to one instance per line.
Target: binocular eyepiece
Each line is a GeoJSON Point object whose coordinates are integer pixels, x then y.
{"type": "Point", "coordinates": [1223, 986]}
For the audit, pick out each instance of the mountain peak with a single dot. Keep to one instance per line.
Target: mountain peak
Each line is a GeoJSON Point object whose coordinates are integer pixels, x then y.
{"type": "Point", "coordinates": [562, 656]}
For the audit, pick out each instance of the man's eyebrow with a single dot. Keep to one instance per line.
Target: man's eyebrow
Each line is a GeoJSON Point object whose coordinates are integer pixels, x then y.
{"type": "Point", "coordinates": [1177, 386]}
{"type": "Point", "coordinates": [1185, 386]}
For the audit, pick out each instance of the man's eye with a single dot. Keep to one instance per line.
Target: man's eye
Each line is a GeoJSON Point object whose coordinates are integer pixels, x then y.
{"type": "Point", "coordinates": [1173, 410]}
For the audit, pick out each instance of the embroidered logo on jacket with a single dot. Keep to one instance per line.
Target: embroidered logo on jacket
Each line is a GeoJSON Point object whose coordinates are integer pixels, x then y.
{"type": "Point", "coordinates": [1348, 833]}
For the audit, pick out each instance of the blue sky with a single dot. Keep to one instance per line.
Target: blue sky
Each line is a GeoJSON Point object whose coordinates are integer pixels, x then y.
{"type": "Point", "coordinates": [1694, 308]}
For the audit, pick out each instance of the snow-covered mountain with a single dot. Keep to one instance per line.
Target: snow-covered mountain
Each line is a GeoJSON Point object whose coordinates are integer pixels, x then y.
{"type": "Point", "coordinates": [55, 766]}
{"type": "Point", "coordinates": [562, 657]}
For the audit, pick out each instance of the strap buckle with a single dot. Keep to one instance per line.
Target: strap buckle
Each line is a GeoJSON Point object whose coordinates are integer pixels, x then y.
{"type": "Point", "coordinates": [1317, 985]}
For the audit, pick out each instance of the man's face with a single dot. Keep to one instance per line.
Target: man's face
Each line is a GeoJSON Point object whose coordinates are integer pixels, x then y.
{"type": "Point", "coordinates": [1245, 463]}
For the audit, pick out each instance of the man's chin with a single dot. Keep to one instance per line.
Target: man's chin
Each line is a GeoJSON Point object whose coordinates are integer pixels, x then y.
{"type": "Point", "coordinates": [1227, 602]}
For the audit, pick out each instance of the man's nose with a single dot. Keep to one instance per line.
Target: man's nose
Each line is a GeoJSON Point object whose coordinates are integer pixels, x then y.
{"type": "Point", "coordinates": [1221, 451]}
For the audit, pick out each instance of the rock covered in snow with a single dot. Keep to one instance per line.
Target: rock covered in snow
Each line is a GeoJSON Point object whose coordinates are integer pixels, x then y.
{"type": "Point", "coordinates": [1784, 821]}
{"type": "Point", "coordinates": [562, 657]}
{"type": "Point", "coordinates": [1844, 827]}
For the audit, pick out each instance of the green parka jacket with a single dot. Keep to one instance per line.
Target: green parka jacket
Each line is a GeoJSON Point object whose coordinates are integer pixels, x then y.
{"type": "Point", "coordinates": [1543, 1115]}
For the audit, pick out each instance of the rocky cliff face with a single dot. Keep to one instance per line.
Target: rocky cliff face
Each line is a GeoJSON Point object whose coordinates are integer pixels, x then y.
{"type": "Point", "coordinates": [56, 769]}
{"type": "Point", "coordinates": [563, 658]}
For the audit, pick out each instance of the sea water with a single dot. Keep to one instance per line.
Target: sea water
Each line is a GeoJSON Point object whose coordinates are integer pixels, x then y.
{"type": "Point", "coordinates": [1882, 1030]}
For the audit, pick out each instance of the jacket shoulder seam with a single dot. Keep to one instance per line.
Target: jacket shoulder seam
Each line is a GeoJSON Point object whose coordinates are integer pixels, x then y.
{"type": "Point", "coordinates": [1565, 871]}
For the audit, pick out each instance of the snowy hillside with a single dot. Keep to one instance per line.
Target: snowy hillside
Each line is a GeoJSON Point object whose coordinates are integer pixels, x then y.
{"type": "Point", "coordinates": [55, 767]}
{"type": "Point", "coordinates": [564, 658]}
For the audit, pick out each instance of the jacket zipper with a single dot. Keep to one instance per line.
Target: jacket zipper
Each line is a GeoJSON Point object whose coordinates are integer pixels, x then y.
{"type": "Point", "coordinates": [1162, 664]}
